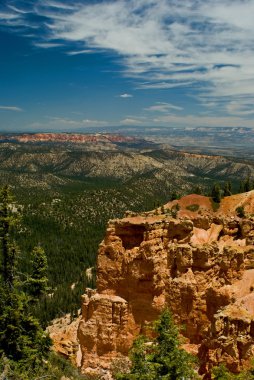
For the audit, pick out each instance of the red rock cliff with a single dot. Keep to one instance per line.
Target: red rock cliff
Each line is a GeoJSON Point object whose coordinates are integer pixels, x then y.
{"type": "Point", "coordinates": [198, 263]}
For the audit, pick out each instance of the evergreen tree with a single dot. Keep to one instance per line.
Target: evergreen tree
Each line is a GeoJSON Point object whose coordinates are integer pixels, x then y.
{"type": "Point", "coordinates": [221, 373]}
{"type": "Point", "coordinates": [8, 219]}
{"type": "Point", "coordinates": [142, 367]}
{"type": "Point", "coordinates": [227, 189]}
{"type": "Point", "coordinates": [174, 196]}
{"type": "Point", "coordinates": [171, 362]}
{"type": "Point", "coordinates": [216, 193]}
{"type": "Point", "coordinates": [247, 185]}
{"type": "Point", "coordinates": [162, 359]}
{"type": "Point", "coordinates": [241, 187]}
{"type": "Point", "coordinates": [198, 190]}
{"type": "Point", "coordinates": [21, 337]}
{"type": "Point", "coordinates": [37, 282]}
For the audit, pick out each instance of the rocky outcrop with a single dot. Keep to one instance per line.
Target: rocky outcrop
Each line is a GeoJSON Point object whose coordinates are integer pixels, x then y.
{"type": "Point", "coordinates": [104, 331]}
{"type": "Point", "coordinates": [198, 263]}
{"type": "Point", "coordinates": [68, 137]}
{"type": "Point", "coordinates": [63, 332]}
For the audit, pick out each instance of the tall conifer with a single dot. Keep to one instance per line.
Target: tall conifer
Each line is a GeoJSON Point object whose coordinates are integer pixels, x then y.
{"type": "Point", "coordinates": [22, 339]}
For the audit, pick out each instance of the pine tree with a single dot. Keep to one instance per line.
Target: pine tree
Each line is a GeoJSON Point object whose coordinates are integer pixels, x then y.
{"type": "Point", "coordinates": [21, 337]}
{"type": "Point", "coordinates": [8, 219]}
{"type": "Point", "coordinates": [227, 189]}
{"type": "Point", "coordinates": [221, 373]}
{"type": "Point", "coordinates": [161, 359]}
{"type": "Point", "coordinates": [37, 282]}
{"type": "Point", "coordinates": [174, 196]}
{"type": "Point", "coordinates": [198, 190]}
{"type": "Point", "coordinates": [247, 185]}
{"type": "Point", "coordinates": [241, 187]}
{"type": "Point", "coordinates": [216, 193]}
{"type": "Point", "coordinates": [171, 362]}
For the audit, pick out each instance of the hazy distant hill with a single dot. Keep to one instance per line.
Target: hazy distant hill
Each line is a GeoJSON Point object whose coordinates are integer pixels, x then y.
{"type": "Point", "coordinates": [228, 141]}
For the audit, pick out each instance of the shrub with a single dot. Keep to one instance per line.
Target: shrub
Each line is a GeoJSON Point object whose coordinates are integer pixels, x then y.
{"type": "Point", "coordinates": [240, 212]}
{"type": "Point", "coordinates": [193, 207]}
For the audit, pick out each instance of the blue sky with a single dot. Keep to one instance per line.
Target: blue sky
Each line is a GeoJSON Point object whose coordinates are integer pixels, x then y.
{"type": "Point", "coordinates": [68, 65]}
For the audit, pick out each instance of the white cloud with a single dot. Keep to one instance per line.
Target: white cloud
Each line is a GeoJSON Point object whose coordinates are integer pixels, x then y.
{"type": "Point", "coordinates": [131, 121]}
{"type": "Point", "coordinates": [163, 107]}
{"type": "Point", "coordinates": [59, 5]}
{"type": "Point", "coordinates": [7, 16]}
{"type": "Point", "coordinates": [46, 45]}
{"type": "Point", "coordinates": [164, 85]}
{"type": "Point", "coordinates": [17, 10]}
{"type": "Point", "coordinates": [241, 108]}
{"type": "Point", "coordinates": [77, 52]}
{"type": "Point", "coordinates": [11, 108]}
{"type": "Point", "coordinates": [126, 96]}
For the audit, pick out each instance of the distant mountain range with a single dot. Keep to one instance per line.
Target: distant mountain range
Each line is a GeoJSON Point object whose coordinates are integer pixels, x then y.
{"type": "Point", "coordinates": [67, 137]}
{"type": "Point", "coordinates": [234, 142]}
{"type": "Point", "coordinates": [46, 159]}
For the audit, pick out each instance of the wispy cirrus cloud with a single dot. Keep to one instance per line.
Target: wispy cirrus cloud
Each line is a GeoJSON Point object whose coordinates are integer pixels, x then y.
{"type": "Point", "coordinates": [77, 52]}
{"type": "Point", "coordinates": [171, 44]}
{"type": "Point", "coordinates": [7, 16]}
{"type": "Point", "coordinates": [241, 109]}
{"type": "Point", "coordinates": [46, 45]}
{"type": "Point", "coordinates": [58, 5]}
{"type": "Point", "coordinates": [205, 47]}
{"type": "Point", "coordinates": [17, 10]}
{"type": "Point", "coordinates": [163, 107]}
{"type": "Point", "coordinates": [11, 108]}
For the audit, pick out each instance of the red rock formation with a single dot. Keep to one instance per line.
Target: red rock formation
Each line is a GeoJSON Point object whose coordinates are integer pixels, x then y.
{"type": "Point", "coordinates": [200, 265]}
{"type": "Point", "coordinates": [63, 332]}
{"type": "Point", "coordinates": [68, 137]}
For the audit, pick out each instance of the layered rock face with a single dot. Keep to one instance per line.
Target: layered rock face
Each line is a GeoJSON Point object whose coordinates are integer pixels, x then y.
{"type": "Point", "coordinates": [63, 332]}
{"type": "Point", "coordinates": [198, 263]}
{"type": "Point", "coordinates": [67, 137]}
